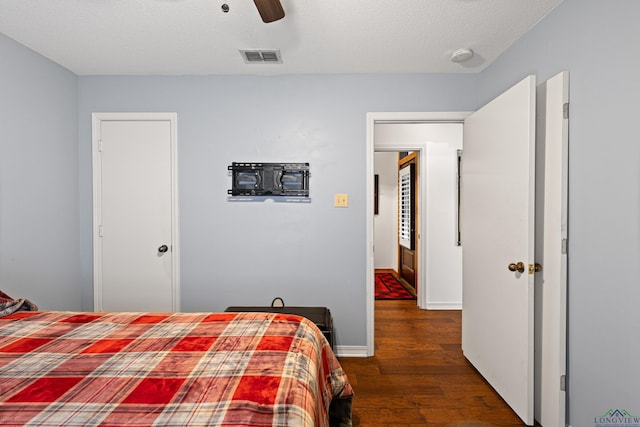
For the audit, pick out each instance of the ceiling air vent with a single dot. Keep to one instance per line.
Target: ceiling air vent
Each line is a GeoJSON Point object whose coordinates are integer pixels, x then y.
{"type": "Point", "coordinates": [261, 56]}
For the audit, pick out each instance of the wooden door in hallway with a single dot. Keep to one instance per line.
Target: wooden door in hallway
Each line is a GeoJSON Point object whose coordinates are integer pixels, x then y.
{"type": "Point", "coordinates": [407, 215]}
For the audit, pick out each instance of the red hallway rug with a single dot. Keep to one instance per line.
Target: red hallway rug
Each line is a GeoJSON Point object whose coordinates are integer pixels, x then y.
{"type": "Point", "coordinates": [388, 287]}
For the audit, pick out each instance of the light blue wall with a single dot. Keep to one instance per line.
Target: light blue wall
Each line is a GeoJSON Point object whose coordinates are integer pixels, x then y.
{"type": "Point", "coordinates": [247, 253]}
{"type": "Point", "coordinates": [39, 235]}
{"type": "Point", "coordinates": [597, 42]}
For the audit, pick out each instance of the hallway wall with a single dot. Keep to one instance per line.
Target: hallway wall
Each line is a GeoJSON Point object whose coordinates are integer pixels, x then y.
{"type": "Point", "coordinates": [386, 222]}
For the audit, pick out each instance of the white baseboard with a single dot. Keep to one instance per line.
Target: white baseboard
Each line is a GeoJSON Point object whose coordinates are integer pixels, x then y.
{"type": "Point", "coordinates": [444, 305]}
{"type": "Point", "coordinates": [351, 351]}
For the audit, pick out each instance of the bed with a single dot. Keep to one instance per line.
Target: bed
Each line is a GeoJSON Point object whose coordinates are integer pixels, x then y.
{"type": "Point", "coordinates": [168, 369]}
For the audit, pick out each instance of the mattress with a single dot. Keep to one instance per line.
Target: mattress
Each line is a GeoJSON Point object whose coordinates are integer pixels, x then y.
{"type": "Point", "coordinates": [168, 369]}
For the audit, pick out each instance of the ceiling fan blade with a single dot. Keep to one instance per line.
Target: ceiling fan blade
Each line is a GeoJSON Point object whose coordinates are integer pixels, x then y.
{"type": "Point", "coordinates": [270, 10]}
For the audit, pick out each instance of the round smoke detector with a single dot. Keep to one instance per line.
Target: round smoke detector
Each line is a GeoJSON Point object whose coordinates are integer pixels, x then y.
{"type": "Point", "coordinates": [461, 55]}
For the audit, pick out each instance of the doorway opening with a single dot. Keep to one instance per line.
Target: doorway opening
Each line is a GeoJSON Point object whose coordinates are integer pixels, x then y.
{"type": "Point", "coordinates": [396, 212]}
{"type": "Point", "coordinates": [492, 134]}
{"type": "Point", "coordinates": [382, 137]}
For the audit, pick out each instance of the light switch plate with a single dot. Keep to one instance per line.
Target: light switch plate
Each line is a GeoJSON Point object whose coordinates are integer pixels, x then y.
{"type": "Point", "coordinates": [341, 201]}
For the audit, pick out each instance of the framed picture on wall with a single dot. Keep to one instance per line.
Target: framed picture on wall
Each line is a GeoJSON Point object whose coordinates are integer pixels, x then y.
{"type": "Point", "coordinates": [375, 194]}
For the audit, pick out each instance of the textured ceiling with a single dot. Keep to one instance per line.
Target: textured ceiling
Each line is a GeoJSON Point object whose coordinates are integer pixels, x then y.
{"type": "Point", "coordinates": [195, 37]}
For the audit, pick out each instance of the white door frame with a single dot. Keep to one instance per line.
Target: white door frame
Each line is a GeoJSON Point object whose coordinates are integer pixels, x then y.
{"type": "Point", "coordinates": [552, 144]}
{"type": "Point", "coordinates": [371, 148]}
{"type": "Point", "coordinates": [97, 118]}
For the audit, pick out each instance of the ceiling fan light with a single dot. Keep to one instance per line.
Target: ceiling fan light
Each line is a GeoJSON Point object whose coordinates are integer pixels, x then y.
{"type": "Point", "coordinates": [461, 55]}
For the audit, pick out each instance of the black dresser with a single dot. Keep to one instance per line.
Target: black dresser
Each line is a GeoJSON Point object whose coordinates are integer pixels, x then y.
{"type": "Point", "coordinates": [321, 316]}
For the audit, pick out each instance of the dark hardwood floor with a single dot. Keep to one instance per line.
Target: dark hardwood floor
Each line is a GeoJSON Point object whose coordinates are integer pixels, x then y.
{"type": "Point", "coordinates": [418, 376]}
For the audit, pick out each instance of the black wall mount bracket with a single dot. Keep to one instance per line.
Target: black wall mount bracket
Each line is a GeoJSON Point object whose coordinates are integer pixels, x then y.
{"type": "Point", "coordinates": [269, 179]}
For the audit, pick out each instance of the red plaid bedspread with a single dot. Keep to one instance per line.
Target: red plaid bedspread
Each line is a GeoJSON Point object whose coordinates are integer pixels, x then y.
{"type": "Point", "coordinates": [172, 369]}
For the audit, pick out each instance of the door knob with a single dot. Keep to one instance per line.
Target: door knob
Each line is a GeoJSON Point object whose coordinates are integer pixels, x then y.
{"type": "Point", "coordinates": [162, 249]}
{"type": "Point", "coordinates": [519, 267]}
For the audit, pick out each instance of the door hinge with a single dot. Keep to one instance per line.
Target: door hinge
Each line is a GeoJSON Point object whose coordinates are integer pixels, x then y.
{"type": "Point", "coordinates": [100, 231]}
{"type": "Point", "coordinates": [564, 246]}
{"type": "Point", "coordinates": [565, 110]}
{"type": "Point", "coordinates": [563, 383]}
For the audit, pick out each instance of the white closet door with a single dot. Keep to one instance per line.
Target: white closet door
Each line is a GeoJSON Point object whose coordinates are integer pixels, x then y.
{"type": "Point", "coordinates": [135, 248]}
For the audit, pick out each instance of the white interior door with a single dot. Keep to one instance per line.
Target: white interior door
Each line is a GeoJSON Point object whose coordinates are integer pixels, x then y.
{"type": "Point", "coordinates": [135, 250]}
{"type": "Point", "coordinates": [552, 140]}
{"type": "Point", "coordinates": [498, 195]}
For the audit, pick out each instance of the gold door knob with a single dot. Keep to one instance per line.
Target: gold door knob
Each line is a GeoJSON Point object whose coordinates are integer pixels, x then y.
{"type": "Point", "coordinates": [519, 267]}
